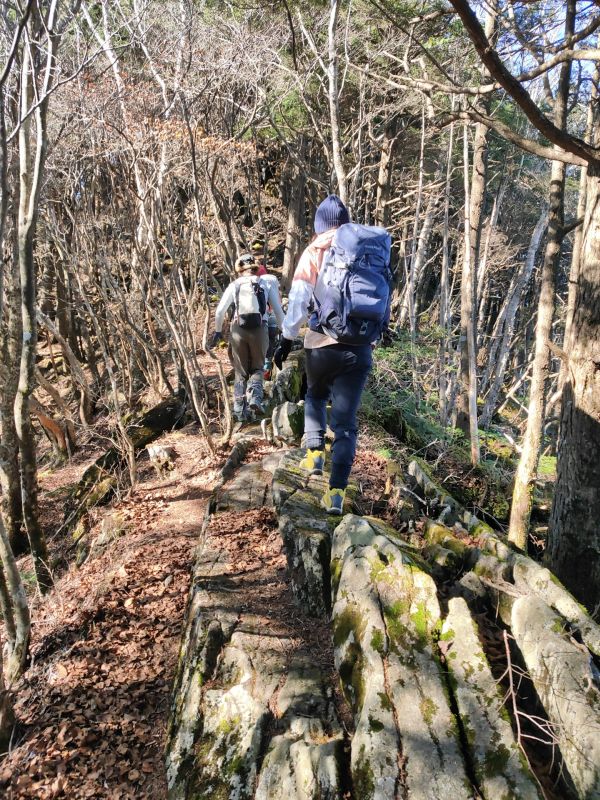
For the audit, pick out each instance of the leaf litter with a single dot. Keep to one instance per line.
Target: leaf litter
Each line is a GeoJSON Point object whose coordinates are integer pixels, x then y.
{"type": "Point", "coordinates": [93, 706]}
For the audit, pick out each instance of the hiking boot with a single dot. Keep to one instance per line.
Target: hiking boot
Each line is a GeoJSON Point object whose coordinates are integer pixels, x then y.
{"type": "Point", "coordinates": [313, 461]}
{"type": "Point", "coordinates": [241, 415]}
{"type": "Point", "coordinates": [257, 406]}
{"type": "Point", "coordinates": [333, 501]}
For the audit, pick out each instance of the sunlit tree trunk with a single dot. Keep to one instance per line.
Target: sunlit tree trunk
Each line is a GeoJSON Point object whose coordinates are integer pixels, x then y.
{"type": "Point", "coordinates": [466, 418]}
{"type": "Point", "coordinates": [483, 272]}
{"type": "Point", "coordinates": [445, 290]}
{"type": "Point", "coordinates": [10, 337]}
{"type": "Point", "coordinates": [408, 309]}
{"type": "Point", "coordinates": [466, 411]}
{"type": "Point", "coordinates": [334, 105]}
{"type": "Point", "coordinates": [384, 174]}
{"type": "Point", "coordinates": [522, 498]}
{"type": "Point", "coordinates": [295, 219]}
{"type": "Point", "coordinates": [31, 165]}
{"type": "Point", "coordinates": [18, 642]}
{"type": "Point", "coordinates": [505, 328]}
{"type": "Point", "coordinates": [10, 481]}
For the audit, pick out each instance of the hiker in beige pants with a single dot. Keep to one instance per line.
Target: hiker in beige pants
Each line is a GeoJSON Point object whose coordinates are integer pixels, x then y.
{"type": "Point", "coordinates": [251, 296]}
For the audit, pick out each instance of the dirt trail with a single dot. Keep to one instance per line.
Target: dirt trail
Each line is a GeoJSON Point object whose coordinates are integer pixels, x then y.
{"type": "Point", "coordinates": [93, 706]}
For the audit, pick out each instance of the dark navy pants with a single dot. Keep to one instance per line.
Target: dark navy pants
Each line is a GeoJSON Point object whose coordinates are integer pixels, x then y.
{"type": "Point", "coordinates": [337, 372]}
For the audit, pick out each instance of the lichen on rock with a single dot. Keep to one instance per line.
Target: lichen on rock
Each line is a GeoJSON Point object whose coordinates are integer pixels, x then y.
{"type": "Point", "coordinates": [386, 617]}
{"type": "Point", "coordinates": [497, 762]}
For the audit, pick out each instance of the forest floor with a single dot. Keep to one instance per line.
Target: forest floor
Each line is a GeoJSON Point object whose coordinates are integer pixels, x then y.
{"type": "Point", "coordinates": [93, 706]}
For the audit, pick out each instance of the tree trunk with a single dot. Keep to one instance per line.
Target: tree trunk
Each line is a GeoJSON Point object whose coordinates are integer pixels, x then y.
{"type": "Point", "coordinates": [60, 437]}
{"type": "Point", "coordinates": [418, 263]}
{"type": "Point", "coordinates": [10, 482]}
{"type": "Point", "coordinates": [469, 278]}
{"type": "Point", "coordinates": [498, 357]}
{"type": "Point", "coordinates": [7, 715]}
{"type": "Point", "coordinates": [466, 417]}
{"type": "Point", "coordinates": [295, 220]}
{"type": "Point", "coordinates": [18, 649]}
{"type": "Point", "coordinates": [578, 238]}
{"type": "Point", "coordinates": [522, 499]}
{"type": "Point", "coordinates": [574, 535]}
{"type": "Point", "coordinates": [10, 632]}
{"type": "Point", "coordinates": [79, 378]}
{"type": "Point", "coordinates": [334, 105]}
{"type": "Point", "coordinates": [384, 175]}
{"type": "Point", "coordinates": [10, 336]}
{"type": "Point", "coordinates": [466, 407]}
{"type": "Point", "coordinates": [31, 167]}
{"type": "Point", "coordinates": [483, 277]}
{"type": "Point", "coordinates": [408, 306]}
{"type": "Point", "coordinates": [445, 290]}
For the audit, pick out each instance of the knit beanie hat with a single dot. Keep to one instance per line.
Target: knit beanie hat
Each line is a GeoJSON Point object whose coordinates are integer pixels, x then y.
{"type": "Point", "coordinates": [331, 214]}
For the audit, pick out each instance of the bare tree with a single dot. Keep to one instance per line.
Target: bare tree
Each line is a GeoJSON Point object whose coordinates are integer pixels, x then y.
{"type": "Point", "coordinates": [522, 499]}
{"type": "Point", "coordinates": [573, 550]}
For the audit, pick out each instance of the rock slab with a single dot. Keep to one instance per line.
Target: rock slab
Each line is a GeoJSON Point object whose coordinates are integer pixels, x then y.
{"type": "Point", "coordinates": [306, 532]}
{"type": "Point", "coordinates": [384, 617]}
{"type": "Point", "coordinates": [500, 768]}
{"type": "Point", "coordinates": [565, 678]}
{"type": "Point", "coordinates": [252, 715]}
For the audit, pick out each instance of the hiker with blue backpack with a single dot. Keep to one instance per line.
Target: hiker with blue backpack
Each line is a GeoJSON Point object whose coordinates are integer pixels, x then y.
{"type": "Point", "coordinates": [342, 285]}
{"type": "Point", "coordinates": [251, 295]}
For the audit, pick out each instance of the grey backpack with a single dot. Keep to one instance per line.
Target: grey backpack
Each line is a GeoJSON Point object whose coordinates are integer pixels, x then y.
{"type": "Point", "coordinates": [250, 302]}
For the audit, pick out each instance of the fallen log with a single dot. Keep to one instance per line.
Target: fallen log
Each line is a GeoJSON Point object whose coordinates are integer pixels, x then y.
{"type": "Point", "coordinates": [100, 480]}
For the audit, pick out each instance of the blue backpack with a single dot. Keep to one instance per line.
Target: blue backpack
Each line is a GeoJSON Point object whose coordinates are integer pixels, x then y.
{"type": "Point", "coordinates": [351, 301]}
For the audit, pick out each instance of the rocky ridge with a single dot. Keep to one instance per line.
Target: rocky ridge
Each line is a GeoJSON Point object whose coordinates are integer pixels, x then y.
{"type": "Point", "coordinates": [255, 716]}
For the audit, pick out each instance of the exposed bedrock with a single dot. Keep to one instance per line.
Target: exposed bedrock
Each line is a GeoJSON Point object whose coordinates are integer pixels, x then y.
{"type": "Point", "coordinates": [499, 766]}
{"type": "Point", "coordinates": [252, 715]}
{"type": "Point", "coordinates": [566, 680]}
{"type": "Point", "coordinates": [306, 531]}
{"type": "Point", "coordinates": [384, 618]}
{"type": "Point", "coordinates": [554, 637]}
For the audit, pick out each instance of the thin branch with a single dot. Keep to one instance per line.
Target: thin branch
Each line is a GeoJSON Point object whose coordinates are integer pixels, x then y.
{"type": "Point", "coordinates": [520, 95]}
{"type": "Point", "coordinates": [571, 226]}
{"type": "Point", "coordinates": [15, 42]}
{"type": "Point", "coordinates": [529, 145]}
